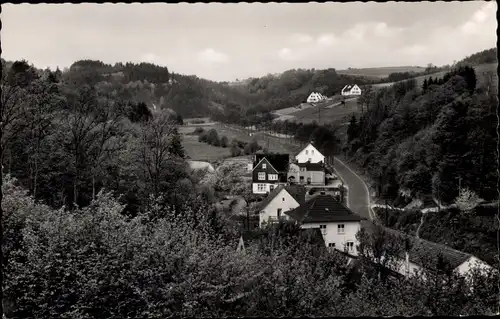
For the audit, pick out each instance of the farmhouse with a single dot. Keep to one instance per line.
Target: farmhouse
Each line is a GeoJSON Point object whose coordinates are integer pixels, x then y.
{"type": "Point", "coordinates": [315, 97]}
{"type": "Point", "coordinates": [307, 173]}
{"type": "Point", "coordinates": [279, 201]}
{"type": "Point", "coordinates": [337, 223]}
{"type": "Point", "coordinates": [351, 89]}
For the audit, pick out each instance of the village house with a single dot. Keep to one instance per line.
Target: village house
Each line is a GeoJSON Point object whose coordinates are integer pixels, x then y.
{"type": "Point", "coordinates": [337, 223]}
{"type": "Point", "coordinates": [279, 201]}
{"type": "Point", "coordinates": [264, 177]}
{"type": "Point", "coordinates": [423, 254]}
{"type": "Point", "coordinates": [307, 173]}
{"type": "Point", "coordinates": [351, 89]}
{"type": "Point", "coordinates": [315, 97]}
{"type": "Point", "coordinates": [310, 154]}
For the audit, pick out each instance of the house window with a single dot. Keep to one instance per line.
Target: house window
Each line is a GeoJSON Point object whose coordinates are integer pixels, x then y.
{"type": "Point", "coordinates": [332, 245]}
{"type": "Point", "coordinates": [272, 177]}
{"type": "Point", "coordinates": [312, 152]}
{"type": "Point", "coordinates": [264, 165]}
{"type": "Point", "coordinates": [261, 187]}
{"type": "Point", "coordinates": [283, 198]}
{"type": "Point", "coordinates": [323, 229]}
{"type": "Point", "coordinates": [340, 228]}
{"type": "Point", "coordinates": [262, 176]}
{"type": "Point", "coordinates": [279, 212]}
{"type": "Point", "coordinates": [307, 152]}
{"type": "Point", "coordinates": [271, 187]}
{"type": "Point", "coordinates": [349, 246]}
{"type": "Point", "coordinates": [302, 169]}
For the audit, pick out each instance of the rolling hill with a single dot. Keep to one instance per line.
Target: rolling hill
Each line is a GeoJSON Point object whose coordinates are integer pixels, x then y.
{"type": "Point", "coordinates": [381, 72]}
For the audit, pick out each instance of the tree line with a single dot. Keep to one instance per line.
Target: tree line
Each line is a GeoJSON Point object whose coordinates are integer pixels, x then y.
{"type": "Point", "coordinates": [430, 140]}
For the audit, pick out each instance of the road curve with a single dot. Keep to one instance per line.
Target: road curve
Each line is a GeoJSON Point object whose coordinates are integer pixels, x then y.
{"type": "Point", "coordinates": [358, 199]}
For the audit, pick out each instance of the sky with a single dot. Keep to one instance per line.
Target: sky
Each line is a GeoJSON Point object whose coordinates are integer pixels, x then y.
{"type": "Point", "coordinates": [224, 42]}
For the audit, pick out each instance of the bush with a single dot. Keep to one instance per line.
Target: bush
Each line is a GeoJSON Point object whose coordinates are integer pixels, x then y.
{"type": "Point", "coordinates": [235, 151]}
{"type": "Point", "coordinates": [199, 130]}
{"type": "Point", "coordinates": [224, 141]}
{"type": "Point", "coordinates": [203, 138]}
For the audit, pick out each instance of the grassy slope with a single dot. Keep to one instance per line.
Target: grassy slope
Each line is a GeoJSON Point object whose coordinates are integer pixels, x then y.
{"type": "Point", "coordinates": [480, 69]}
{"type": "Point", "coordinates": [381, 72]}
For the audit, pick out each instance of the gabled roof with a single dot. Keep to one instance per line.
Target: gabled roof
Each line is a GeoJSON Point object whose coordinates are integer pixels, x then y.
{"type": "Point", "coordinates": [323, 208]}
{"type": "Point", "coordinates": [278, 161]}
{"type": "Point", "coordinates": [312, 144]}
{"type": "Point", "coordinates": [312, 166]}
{"type": "Point", "coordinates": [423, 251]}
{"type": "Point", "coordinates": [266, 161]}
{"type": "Point", "coordinates": [298, 193]}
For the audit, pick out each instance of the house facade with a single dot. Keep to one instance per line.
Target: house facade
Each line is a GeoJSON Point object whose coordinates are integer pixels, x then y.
{"type": "Point", "coordinates": [351, 89]}
{"type": "Point", "coordinates": [315, 97]}
{"type": "Point", "coordinates": [280, 200]}
{"type": "Point", "coordinates": [337, 223]}
{"type": "Point", "coordinates": [310, 154]}
{"type": "Point", "coordinates": [306, 174]}
{"type": "Point", "coordinates": [264, 177]}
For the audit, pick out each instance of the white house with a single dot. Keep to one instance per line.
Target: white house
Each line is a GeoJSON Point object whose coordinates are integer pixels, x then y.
{"type": "Point", "coordinates": [338, 224]}
{"type": "Point", "coordinates": [423, 254]}
{"type": "Point", "coordinates": [310, 154]}
{"type": "Point", "coordinates": [282, 199]}
{"type": "Point", "coordinates": [315, 97]}
{"type": "Point", "coordinates": [351, 89]}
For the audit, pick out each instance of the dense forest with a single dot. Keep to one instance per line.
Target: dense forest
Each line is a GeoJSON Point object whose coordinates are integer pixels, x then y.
{"type": "Point", "coordinates": [430, 139]}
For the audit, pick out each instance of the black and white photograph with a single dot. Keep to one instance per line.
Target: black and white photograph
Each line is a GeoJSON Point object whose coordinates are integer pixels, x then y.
{"type": "Point", "coordinates": [212, 160]}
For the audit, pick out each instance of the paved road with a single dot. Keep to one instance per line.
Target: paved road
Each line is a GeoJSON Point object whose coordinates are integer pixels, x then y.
{"type": "Point", "coordinates": [358, 199]}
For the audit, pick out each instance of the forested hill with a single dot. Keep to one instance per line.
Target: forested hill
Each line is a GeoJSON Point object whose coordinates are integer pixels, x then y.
{"type": "Point", "coordinates": [483, 57]}
{"type": "Point", "coordinates": [429, 140]}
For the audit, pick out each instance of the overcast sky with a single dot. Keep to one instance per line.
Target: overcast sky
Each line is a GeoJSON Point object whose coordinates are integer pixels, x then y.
{"type": "Point", "coordinates": [229, 41]}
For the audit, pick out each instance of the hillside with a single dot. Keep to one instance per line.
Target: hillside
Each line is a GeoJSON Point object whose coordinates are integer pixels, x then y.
{"type": "Point", "coordinates": [428, 140]}
{"type": "Point", "coordinates": [381, 72]}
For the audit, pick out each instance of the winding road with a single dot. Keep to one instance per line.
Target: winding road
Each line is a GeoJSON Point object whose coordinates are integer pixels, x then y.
{"type": "Point", "coordinates": [358, 199]}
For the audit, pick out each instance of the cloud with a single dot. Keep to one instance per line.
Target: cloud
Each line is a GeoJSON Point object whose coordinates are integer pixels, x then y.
{"type": "Point", "coordinates": [415, 49]}
{"type": "Point", "coordinates": [326, 39]}
{"type": "Point", "coordinates": [286, 54]}
{"type": "Point", "coordinates": [382, 30]}
{"type": "Point", "coordinates": [357, 32]}
{"type": "Point", "coordinates": [210, 55]}
{"type": "Point", "coordinates": [149, 57]}
{"type": "Point", "coordinates": [474, 24]}
{"type": "Point", "coordinates": [301, 38]}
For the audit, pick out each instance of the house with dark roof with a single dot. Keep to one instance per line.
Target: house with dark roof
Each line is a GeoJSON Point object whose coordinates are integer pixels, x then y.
{"type": "Point", "coordinates": [264, 177]}
{"type": "Point", "coordinates": [279, 201]}
{"type": "Point", "coordinates": [279, 161]}
{"type": "Point", "coordinates": [337, 223]}
{"type": "Point", "coordinates": [314, 154]}
{"type": "Point", "coordinates": [423, 254]}
{"type": "Point", "coordinates": [350, 89]}
{"type": "Point", "coordinates": [307, 173]}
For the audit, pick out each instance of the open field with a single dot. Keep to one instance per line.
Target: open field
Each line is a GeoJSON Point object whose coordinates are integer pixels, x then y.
{"type": "Point", "coordinates": [480, 73]}
{"type": "Point", "coordinates": [381, 72]}
{"type": "Point", "coordinates": [335, 114]}
{"type": "Point", "coordinates": [202, 151]}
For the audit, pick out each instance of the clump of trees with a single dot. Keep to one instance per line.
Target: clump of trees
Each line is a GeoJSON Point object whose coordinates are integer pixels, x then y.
{"type": "Point", "coordinates": [211, 137]}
